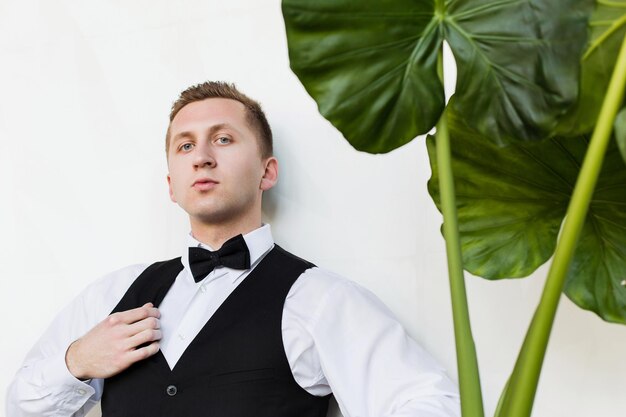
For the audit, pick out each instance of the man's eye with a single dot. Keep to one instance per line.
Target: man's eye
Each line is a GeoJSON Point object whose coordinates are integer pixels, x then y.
{"type": "Point", "coordinates": [223, 140]}
{"type": "Point", "coordinates": [186, 146]}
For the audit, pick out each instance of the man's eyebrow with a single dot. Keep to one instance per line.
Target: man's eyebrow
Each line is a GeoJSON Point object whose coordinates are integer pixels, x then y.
{"type": "Point", "coordinates": [220, 126]}
{"type": "Point", "coordinates": [182, 135]}
{"type": "Point", "coordinates": [211, 131]}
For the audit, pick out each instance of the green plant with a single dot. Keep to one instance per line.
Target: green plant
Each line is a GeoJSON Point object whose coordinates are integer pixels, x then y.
{"type": "Point", "coordinates": [531, 78]}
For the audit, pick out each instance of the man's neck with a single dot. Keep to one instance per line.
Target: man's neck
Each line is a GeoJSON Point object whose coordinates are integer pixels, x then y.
{"type": "Point", "coordinates": [215, 235]}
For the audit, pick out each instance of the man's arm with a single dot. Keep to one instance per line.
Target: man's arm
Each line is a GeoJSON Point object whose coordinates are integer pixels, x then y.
{"type": "Point", "coordinates": [99, 346]}
{"type": "Point", "coordinates": [372, 366]}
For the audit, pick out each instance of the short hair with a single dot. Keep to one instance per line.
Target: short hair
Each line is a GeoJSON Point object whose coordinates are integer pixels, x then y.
{"type": "Point", "coordinates": [219, 89]}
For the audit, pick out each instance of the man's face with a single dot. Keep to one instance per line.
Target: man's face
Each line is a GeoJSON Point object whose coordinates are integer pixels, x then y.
{"type": "Point", "coordinates": [216, 173]}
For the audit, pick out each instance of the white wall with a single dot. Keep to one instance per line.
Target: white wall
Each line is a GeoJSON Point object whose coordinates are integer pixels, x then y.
{"type": "Point", "coordinates": [85, 90]}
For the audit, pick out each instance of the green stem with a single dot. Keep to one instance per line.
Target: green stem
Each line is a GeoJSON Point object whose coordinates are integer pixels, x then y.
{"type": "Point", "coordinates": [519, 396]}
{"type": "Point", "coordinates": [469, 378]}
{"type": "Point", "coordinates": [612, 4]}
{"type": "Point", "coordinates": [440, 9]}
{"type": "Point", "coordinates": [614, 27]}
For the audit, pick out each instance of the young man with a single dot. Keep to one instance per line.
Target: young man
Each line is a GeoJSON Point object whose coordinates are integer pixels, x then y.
{"type": "Point", "coordinates": [236, 326]}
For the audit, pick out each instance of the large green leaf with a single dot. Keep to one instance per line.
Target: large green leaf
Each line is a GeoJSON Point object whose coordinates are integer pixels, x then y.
{"type": "Point", "coordinates": [517, 63]}
{"type": "Point", "coordinates": [608, 28]}
{"type": "Point", "coordinates": [620, 131]}
{"type": "Point", "coordinates": [371, 64]}
{"type": "Point", "coordinates": [511, 202]}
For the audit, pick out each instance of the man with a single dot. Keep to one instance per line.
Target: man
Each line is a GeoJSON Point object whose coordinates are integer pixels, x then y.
{"type": "Point", "coordinates": [236, 326]}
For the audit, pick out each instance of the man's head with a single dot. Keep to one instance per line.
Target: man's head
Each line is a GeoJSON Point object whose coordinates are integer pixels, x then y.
{"type": "Point", "coordinates": [219, 155]}
{"type": "Point", "coordinates": [218, 89]}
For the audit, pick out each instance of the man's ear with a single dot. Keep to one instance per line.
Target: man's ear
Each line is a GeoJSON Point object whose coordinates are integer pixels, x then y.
{"type": "Point", "coordinates": [169, 185]}
{"type": "Point", "coordinates": [270, 176]}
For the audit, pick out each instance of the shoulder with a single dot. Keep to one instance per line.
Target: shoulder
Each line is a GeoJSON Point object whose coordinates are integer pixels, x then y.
{"type": "Point", "coordinates": [321, 294]}
{"type": "Point", "coordinates": [92, 305]}
{"type": "Point", "coordinates": [114, 285]}
{"type": "Point", "coordinates": [105, 292]}
{"type": "Point", "coordinates": [289, 258]}
{"type": "Point", "coordinates": [321, 281]}
{"type": "Point", "coordinates": [317, 282]}
{"type": "Point", "coordinates": [117, 278]}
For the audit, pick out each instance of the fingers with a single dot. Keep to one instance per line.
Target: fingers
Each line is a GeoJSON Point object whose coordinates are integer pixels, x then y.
{"type": "Point", "coordinates": [143, 352]}
{"type": "Point", "coordinates": [115, 343]}
{"type": "Point", "coordinates": [134, 315]}
{"type": "Point", "coordinates": [138, 327]}
{"type": "Point", "coordinates": [145, 336]}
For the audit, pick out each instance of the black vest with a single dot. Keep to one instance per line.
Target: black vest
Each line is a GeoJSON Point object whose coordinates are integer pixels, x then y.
{"type": "Point", "coordinates": [235, 367]}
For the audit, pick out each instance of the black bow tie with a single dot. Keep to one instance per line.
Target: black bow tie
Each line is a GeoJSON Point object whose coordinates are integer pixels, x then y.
{"type": "Point", "coordinates": [234, 254]}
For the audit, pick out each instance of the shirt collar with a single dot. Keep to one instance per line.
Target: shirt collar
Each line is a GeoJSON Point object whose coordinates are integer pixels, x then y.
{"type": "Point", "coordinates": [259, 242]}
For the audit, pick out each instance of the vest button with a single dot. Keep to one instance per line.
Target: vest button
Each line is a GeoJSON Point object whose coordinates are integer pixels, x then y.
{"type": "Point", "coordinates": [171, 390]}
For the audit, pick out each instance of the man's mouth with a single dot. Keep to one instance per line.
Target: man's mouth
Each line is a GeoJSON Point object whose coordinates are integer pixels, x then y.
{"type": "Point", "coordinates": [204, 184]}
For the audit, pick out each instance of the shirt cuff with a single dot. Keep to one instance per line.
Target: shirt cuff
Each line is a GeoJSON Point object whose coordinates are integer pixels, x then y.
{"type": "Point", "coordinates": [69, 393]}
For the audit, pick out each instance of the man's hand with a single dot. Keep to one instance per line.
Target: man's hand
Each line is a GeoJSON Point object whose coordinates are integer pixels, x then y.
{"type": "Point", "coordinates": [112, 345]}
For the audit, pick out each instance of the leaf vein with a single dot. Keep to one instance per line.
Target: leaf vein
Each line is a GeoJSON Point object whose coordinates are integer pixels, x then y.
{"type": "Point", "coordinates": [598, 41]}
{"type": "Point", "coordinates": [487, 7]}
{"type": "Point", "coordinates": [519, 220]}
{"type": "Point", "coordinates": [546, 166]}
{"type": "Point", "coordinates": [607, 220]}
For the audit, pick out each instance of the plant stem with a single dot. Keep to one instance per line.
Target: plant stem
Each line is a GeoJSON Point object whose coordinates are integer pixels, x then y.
{"type": "Point", "coordinates": [440, 9]}
{"type": "Point", "coordinates": [519, 397]}
{"type": "Point", "coordinates": [467, 363]}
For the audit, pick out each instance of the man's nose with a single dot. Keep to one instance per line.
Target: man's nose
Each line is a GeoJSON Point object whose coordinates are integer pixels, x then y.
{"type": "Point", "coordinates": [204, 158]}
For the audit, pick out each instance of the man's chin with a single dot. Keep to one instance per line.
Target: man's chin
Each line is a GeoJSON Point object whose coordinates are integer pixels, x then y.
{"type": "Point", "coordinates": [212, 216]}
{"type": "Point", "coordinates": [219, 214]}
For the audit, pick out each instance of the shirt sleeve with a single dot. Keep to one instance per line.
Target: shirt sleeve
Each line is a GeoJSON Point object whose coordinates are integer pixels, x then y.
{"type": "Point", "coordinates": [366, 357]}
{"type": "Point", "coordinates": [43, 386]}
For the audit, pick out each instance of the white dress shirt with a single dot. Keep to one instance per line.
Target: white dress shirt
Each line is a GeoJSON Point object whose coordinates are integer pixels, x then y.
{"type": "Point", "coordinates": [338, 338]}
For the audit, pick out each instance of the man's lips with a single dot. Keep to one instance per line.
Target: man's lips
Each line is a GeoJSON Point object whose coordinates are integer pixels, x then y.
{"type": "Point", "coordinates": [204, 184]}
